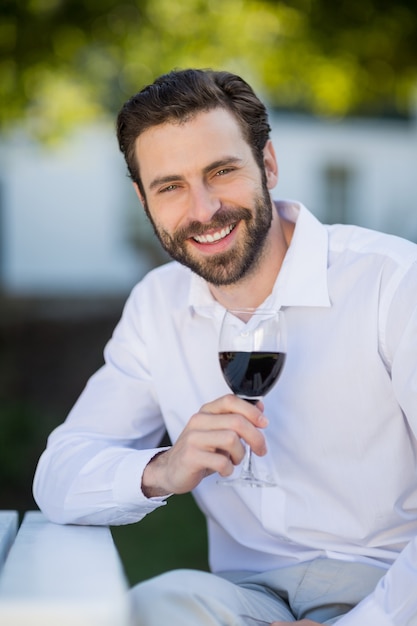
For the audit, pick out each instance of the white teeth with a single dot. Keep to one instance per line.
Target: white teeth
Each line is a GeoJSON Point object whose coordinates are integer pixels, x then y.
{"type": "Point", "coordinates": [215, 237]}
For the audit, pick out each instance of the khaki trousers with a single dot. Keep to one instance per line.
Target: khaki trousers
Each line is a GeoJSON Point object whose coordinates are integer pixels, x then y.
{"type": "Point", "coordinates": [322, 590]}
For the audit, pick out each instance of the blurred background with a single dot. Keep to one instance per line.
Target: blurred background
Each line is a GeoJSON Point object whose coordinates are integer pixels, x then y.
{"type": "Point", "coordinates": [340, 81]}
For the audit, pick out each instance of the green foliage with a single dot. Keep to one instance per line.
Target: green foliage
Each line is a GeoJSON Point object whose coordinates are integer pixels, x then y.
{"type": "Point", "coordinates": [23, 436]}
{"type": "Point", "coordinates": [173, 536]}
{"type": "Point", "coordinates": [68, 61]}
{"type": "Point", "coordinates": [19, 428]}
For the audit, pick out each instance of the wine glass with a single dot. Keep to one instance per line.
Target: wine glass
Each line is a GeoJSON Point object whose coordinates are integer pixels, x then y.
{"type": "Point", "coordinates": [252, 350]}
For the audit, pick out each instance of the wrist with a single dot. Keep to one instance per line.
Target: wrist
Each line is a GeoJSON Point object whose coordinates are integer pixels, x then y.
{"type": "Point", "coordinates": [152, 477]}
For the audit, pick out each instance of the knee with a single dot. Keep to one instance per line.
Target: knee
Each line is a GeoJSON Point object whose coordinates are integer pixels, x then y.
{"type": "Point", "coordinates": [179, 596]}
{"type": "Point", "coordinates": [180, 581]}
{"type": "Point", "coordinates": [162, 593]}
{"type": "Point", "coordinates": [167, 579]}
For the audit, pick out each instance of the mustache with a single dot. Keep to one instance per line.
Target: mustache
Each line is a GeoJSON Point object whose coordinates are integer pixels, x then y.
{"type": "Point", "coordinates": [223, 217]}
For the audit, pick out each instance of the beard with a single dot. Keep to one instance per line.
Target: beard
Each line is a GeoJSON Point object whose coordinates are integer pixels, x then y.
{"type": "Point", "coordinates": [231, 266]}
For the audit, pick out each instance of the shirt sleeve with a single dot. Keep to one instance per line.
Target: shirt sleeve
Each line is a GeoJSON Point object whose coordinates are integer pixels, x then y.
{"type": "Point", "coordinates": [394, 600]}
{"type": "Point", "coordinates": [91, 470]}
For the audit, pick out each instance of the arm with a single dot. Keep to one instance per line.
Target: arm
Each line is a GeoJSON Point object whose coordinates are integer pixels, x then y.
{"type": "Point", "coordinates": [394, 601]}
{"type": "Point", "coordinates": [95, 474]}
{"type": "Point", "coordinates": [91, 471]}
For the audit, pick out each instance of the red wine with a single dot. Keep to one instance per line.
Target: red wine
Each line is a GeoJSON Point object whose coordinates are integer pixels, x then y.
{"type": "Point", "coordinates": [251, 374]}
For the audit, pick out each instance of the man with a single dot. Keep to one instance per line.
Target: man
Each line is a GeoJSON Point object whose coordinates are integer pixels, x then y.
{"type": "Point", "coordinates": [335, 540]}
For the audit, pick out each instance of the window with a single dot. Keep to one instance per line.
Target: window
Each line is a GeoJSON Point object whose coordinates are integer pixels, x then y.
{"type": "Point", "coordinates": [338, 186]}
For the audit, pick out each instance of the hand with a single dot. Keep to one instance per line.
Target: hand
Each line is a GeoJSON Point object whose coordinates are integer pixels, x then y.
{"type": "Point", "coordinates": [211, 442]}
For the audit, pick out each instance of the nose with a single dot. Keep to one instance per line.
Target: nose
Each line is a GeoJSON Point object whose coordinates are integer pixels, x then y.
{"type": "Point", "coordinates": [203, 203]}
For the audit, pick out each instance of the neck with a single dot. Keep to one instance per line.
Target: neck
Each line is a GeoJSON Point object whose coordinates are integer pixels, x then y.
{"type": "Point", "coordinates": [254, 288]}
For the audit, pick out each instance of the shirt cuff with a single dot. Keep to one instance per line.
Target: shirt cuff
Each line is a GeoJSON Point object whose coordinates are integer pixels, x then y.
{"type": "Point", "coordinates": [367, 613]}
{"type": "Point", "coordinates": [127, 489]}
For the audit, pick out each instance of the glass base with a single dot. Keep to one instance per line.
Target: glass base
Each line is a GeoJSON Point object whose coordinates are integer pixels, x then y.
{"type": "Point", "coordinates": [246, 480]}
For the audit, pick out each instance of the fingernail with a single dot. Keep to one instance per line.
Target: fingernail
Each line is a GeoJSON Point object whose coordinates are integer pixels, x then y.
{"type": "Point", "coordinates": [263, 421]}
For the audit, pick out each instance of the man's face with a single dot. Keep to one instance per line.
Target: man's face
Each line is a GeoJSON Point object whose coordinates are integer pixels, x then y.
{"type": "Point", "coordinates": [205, 194]}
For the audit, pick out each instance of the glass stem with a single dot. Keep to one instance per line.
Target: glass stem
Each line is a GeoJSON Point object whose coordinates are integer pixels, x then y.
{"type": "Point", "coordinates": [247, 462]}
{"type": "Point", "coordinates": [247, 459]}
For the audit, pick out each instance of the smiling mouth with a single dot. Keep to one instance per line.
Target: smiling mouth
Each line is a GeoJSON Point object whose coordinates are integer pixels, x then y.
{"type": "Point", "coordinates": [216, 236]}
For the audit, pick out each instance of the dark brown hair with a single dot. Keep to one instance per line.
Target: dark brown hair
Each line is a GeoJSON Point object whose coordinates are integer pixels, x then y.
{"type": "Point", "coordinates": [181, 94]}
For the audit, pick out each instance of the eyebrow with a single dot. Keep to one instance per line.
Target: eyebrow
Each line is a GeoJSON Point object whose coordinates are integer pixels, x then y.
{"type": "Point", "coordinates": [170, 178]}
{"type": "Point", "coordinates": [163, 180]}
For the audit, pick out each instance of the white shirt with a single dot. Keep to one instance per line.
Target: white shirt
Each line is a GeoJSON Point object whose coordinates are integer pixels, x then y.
{"type": "Point", "coordinates": [342, 428]}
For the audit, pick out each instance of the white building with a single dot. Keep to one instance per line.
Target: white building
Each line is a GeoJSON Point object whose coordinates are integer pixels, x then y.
{"type": "Point", "coordinates": [69, 218]}
{"type": "Point", "coordinates": [64, 218]}
{"type": "Point", "coordinates": [354, 171]}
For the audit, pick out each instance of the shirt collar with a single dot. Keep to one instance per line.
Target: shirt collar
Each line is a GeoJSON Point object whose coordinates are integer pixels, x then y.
{"type": "Point", "coordinates": [302, 280]}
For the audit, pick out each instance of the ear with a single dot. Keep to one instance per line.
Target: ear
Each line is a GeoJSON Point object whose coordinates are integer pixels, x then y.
{"type": "Point", "coordinates": [270, 165]}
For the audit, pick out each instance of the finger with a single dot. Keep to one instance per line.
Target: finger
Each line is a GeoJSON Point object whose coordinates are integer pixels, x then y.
{"type": "Point", "coordinates": [202, 464]}
{"type": "Point", "coordinates": [227, 441]}
{"type": "Point", "coordinates": [217, 462]}
{"type": "Point", "coordinates": [233, 404]}
{"type": "Point", "coordinates": [224, 432]}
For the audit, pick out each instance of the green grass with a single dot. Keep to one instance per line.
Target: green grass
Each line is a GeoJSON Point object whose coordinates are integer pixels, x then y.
{"type": "Point", "coordinates": [173, 536]}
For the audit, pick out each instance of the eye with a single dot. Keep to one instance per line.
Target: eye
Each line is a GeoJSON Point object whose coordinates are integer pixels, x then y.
{"type": "Point", "coordinates": [224, 171]}
{"type": "Point", "coordinates": [168, 188]}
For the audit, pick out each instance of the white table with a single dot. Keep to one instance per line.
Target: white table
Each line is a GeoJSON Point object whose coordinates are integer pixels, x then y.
{"type": "Point", "coordinates": [8, 530]}
{"type": "Point", "coordinates": [62, 576]}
